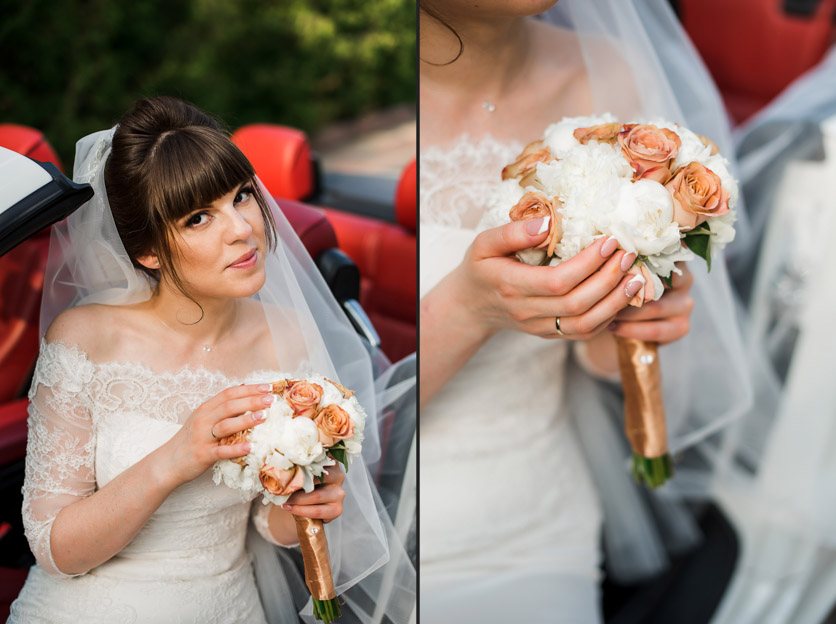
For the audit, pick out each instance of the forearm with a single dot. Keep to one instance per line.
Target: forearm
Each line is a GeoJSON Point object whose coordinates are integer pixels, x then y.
{"type": "Point", "coordinates": [449, 336]}
{"type": "Point", "coordinates": [89, 532]}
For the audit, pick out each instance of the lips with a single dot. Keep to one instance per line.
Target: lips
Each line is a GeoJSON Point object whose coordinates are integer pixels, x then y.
{"type": "Point", "coordinates": [245, 261]}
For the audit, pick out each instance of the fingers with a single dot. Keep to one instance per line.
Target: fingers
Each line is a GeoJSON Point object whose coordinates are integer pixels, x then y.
{"type": "Point", "coordinates": [235, 407]}
{"type": "Point", "coordinates": [237, 392]}
{"type": "Point", "coordinates": [324, 502]}
{"type": "Point", "coordinates": [231, 451]}
{"type": "Point", "coordinates": [508, 239]}
{"type": "Point", "coordinates": [587, 324]}
{"type": "Point", "coordinates": [672, 303]}
{"type": "Point", "coordinates": [228, 426]}
{"type": "Point", "coordinates": [661, 331]}
{"type": "Point", "coordinates": [682, 281]}
{"type": "Point", "coordinates": [560, 280]}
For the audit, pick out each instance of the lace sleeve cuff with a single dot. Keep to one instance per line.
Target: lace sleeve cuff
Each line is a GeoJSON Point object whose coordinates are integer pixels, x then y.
{"type": "Point", "coordinates": [40, 541]}
{"type": "Point", "coordinates": [261, 521]}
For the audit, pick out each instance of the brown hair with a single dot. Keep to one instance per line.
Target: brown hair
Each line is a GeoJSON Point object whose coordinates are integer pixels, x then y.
{"type": "Point", "coordinates": [429, 9]}
{"type": "Point", "coordinates": [169, 158]}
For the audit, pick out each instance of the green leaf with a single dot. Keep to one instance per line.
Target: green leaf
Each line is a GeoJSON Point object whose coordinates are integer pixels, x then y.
{"type": "Point", "coordinates": [699, 241]}
{"type": "Point", "coordinates": [668, 281]}
{"type": "Point", "coordinates": [338, 453]}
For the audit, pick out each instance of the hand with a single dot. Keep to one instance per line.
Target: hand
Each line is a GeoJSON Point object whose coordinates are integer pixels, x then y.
{"type": "Point", "coordinates": [195, 447]}
{"type": "Point", "coordinates": [324, 502]}
{"type": "Point", "coordinates": [661, 321]}
{"type": "Point", "coordinates": [586, 292]}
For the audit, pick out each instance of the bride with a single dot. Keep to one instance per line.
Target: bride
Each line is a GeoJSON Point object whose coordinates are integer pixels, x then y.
{"type": "Point", "coordinates": [189, 293]}
{"type": "Point", "coordinates": [511, 509]}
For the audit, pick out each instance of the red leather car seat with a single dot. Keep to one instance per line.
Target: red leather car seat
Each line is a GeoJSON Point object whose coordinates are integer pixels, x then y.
{"type": "Point", "coordinates": [21, 279]}
{"type": "Point", "coordinates": [281, 156]}
{"type": "Point", "coordinates": [386, 255]}
{"type": "Point", "coordinates": [756, 48]}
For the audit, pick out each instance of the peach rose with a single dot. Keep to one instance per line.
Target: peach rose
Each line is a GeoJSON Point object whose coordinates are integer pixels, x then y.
{"type": "Point", "coordinates": [647, 293]}
{"type": "Point", "coordinates": [334, 424]}
{"type": "Point", "coordinates": [303, 398]}
{"type": "Point", "coordinates": [347, 394]}
{"type": "Point", "coordinates": [236, 438]}
{"type": "Point", "coordinates": [281, 482]}
{"type": "Point", "coordinates": [697, 194]}
{"type": "Point", "coordinates": [534, 206]}
{"type": "Point", "coordinates": [649, 150]}
{"type": "Point", "coordinates": [603, 133]}
{"type": "Point", "coordinates": [709, 143]}
{"type": "Point", "coordinates": [527, 161]}
{"type": "Point", "coordinates": [278, 387]}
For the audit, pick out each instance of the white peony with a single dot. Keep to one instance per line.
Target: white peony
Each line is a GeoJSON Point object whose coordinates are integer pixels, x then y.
{"type": "Point", "coordinates": [643, 219]}
{"type": "Point", "coordinates": [560, 137]}
{"type": "Point", "coordinates": [299, 441]}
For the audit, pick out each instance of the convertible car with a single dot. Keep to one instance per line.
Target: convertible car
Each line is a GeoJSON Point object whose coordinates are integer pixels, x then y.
{"type": "Point", "coordinates": [368, 260]}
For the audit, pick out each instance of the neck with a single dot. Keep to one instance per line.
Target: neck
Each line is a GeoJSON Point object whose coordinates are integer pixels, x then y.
{"type": "Point", "coordinates": [183, 316]}
{"type": "Point", "coordinates": [493, 55]}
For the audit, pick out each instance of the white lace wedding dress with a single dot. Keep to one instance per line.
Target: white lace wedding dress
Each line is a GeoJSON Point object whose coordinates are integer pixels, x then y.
{"type": "Point", "coordinates": [89, 422]}
{"type": "Point", "coordinates": [509, 518]}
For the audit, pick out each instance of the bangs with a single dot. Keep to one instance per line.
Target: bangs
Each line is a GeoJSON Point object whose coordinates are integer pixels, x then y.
{"type": "Point", "coordinates": [190, 168]}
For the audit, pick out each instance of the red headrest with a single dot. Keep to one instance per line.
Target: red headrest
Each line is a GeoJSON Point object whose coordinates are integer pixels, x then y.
{"type": "Point", "coordinates": [310, 224]}
{"type": "Point", "coordinates": [754, 48]}
{"type": "Point", "coordinates": [29, 142]}
{"type": "Point", "coordinates": [405, 197]}
{"type": "Point", "coordinates": [280, 156]}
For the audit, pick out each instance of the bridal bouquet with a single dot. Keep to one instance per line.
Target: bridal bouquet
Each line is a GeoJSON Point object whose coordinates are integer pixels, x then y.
{"type": "Point", "coordinates": [666, 195]}
{"type": "Point", "coordinates": [312, 424]}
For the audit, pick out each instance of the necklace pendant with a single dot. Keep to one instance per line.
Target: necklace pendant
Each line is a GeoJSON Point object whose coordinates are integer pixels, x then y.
{"type": "Point", "coordinates": [488, 106]}
{"type": "Point", "coordinates": [207, 348]}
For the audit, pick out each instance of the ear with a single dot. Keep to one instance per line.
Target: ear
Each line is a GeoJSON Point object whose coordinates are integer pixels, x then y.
{"type": "Point", "coordinates": [149, 261]}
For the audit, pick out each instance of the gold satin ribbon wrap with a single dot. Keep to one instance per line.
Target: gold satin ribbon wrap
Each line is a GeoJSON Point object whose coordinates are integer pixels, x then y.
{"type": "Point", "coordinates": [644, 412]}
{"type": "Point", "coordinates": [314, 546]}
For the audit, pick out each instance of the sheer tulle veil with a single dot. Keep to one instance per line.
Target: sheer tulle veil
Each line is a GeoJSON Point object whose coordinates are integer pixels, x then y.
{"type": "Point", "coordinates": [88, 263]}
{"type": "Point", "coordinates": [641, 65]}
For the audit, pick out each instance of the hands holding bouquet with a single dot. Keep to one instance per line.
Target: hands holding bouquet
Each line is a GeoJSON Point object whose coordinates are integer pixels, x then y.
{"type": "Point", "coordinates": [311, 425]}
{"type": "Point", "coordinates": [661, 194]}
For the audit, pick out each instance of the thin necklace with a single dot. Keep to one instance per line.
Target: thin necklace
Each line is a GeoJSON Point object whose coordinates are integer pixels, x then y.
{"type": "Point", "coordinates": [206, 347]}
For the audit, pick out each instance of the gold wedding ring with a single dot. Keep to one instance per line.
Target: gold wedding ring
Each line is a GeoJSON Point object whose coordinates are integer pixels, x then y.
{"type": "Point", "coordinates": [560, 332]}
{"type": "Point", "coordinates": [212, 431]}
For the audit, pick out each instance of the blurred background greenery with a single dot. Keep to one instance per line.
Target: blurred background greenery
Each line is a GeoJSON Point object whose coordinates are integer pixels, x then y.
{"type": "Point", "coordinates": [72, 67]}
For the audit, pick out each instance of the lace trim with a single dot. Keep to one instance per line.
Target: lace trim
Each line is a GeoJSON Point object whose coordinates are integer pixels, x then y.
{"type": "Point", "coordinates": [456, 181]}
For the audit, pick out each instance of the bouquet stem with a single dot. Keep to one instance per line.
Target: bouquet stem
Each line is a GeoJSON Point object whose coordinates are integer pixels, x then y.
{"type": "Point", "coordinates": [318, 578]}
{"type": "Point", "coordinates": [644, 412]}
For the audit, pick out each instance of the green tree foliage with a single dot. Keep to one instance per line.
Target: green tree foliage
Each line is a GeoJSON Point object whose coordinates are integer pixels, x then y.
{"type": "Point", "coordinates": [70, 67]}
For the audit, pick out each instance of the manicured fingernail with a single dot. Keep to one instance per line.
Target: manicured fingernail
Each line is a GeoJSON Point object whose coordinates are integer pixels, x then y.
{"type": "Point", "coordinates": [634, 285]}
{"type": "Point", "coordinates": [287, 507]}
{"type": "Point", "coordinates": [265, 388]}
{"type": "Point", "coordinates": [537, 226]}
{"type": "Point", "coordinates": [268, 399]}
{"type": "Point", "coordinates": [247, 448]}
{"type": "Point", "coordinates": [612, 326]}
{"type": "Point", "coordinates": [627, 261]}
{"type": "Point", "coordinates": [259, 415]}
{"type": "Point", "coordinates": [609, 247]}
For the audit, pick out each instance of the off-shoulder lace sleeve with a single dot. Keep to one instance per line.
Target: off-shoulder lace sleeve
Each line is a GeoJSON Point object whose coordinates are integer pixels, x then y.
{"type": "Point", "coordinates": [260, 515]}
{"type": "Point", "coordinates": [61, 445]}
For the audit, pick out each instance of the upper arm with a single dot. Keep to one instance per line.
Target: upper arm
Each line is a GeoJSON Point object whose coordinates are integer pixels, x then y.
{"type": "Point", "coordinates": [60, 451]}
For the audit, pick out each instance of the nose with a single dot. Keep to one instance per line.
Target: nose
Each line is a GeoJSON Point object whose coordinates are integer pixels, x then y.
{"type": "Point", "coordinates": [238, 227]}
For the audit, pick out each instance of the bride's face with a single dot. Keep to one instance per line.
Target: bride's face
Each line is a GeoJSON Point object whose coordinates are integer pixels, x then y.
{"type": "Point", "coordinates": [221, 247]}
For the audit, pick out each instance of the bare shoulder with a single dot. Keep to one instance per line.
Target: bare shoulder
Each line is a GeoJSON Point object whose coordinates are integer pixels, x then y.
{"type": "Point", "coordinates": [89, 327]}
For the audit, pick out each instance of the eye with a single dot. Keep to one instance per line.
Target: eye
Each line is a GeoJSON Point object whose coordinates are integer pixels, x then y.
{"type": "Point", "coordinates": [197, 219]}
{"type": "Point", "coordinates": [244, 194]}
